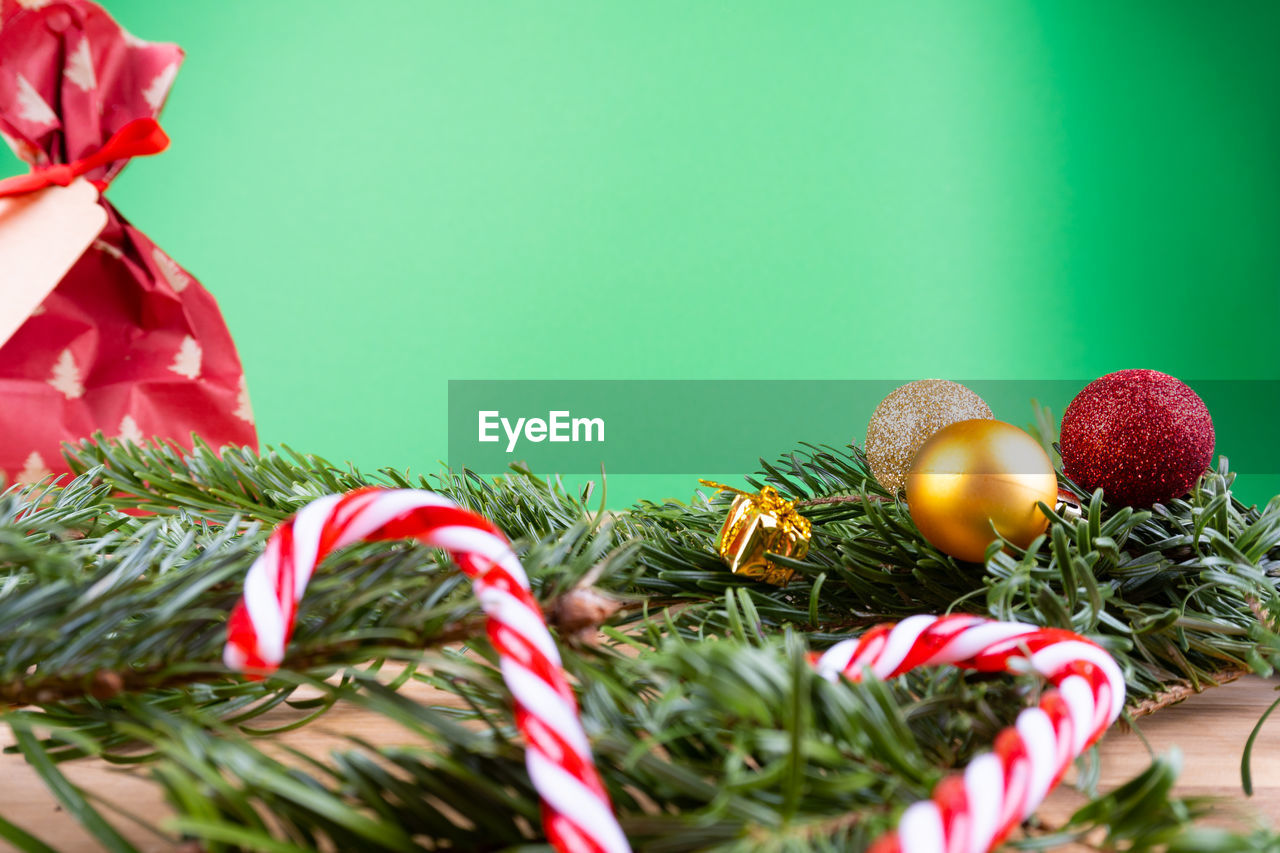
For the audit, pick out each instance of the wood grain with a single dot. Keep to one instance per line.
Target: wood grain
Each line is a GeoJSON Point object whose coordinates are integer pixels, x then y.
{"type": "Point", "coordinates": [1210, 729]}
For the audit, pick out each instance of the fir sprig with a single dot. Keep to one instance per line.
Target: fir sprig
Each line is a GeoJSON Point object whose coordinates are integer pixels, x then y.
{"type": "Point", "coordinates": [711, 729]}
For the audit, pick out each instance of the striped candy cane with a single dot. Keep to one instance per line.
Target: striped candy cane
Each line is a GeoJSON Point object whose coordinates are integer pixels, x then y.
{"type": "Point", "coordinates": [974, 812]}
{"type": "Point", "coordinates": [576, 811]}
{"type": "Point", "coordinates": [969, 814]}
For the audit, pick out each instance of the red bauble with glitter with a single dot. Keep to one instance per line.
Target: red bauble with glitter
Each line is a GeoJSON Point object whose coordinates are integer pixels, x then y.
{"type": "Point", "coordinates": [1140, 435]}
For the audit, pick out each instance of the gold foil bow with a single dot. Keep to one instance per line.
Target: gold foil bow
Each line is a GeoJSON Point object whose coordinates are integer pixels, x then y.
{"type": "Point", "coordinates": [759, 524]}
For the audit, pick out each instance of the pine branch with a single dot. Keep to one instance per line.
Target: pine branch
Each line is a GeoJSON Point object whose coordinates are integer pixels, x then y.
{"type": "Point", "coordinates": [706, 730]}
{"type": "Point", "coordinates": [710, 733]}
{"type": "Point", "coordinates": [95, 603]}
{"type": "Point", "coordinates": [1168, 591]}
{"type": "Point", "coordinates": [1172, 592]}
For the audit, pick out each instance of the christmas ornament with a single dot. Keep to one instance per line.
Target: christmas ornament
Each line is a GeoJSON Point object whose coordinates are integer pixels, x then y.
{"type": "Point", "coordinates": [1139, 435]}
{"type": "Point", "coordinates": [577, 814]}
{"type": "Point", "coordinates": [760, 524]}
{"type": "Point", "coordinates": [1069, 506]}
{"type": "Point", "coordinates": [908, 417]}
{"type": "Point", "coordinates": [976, 474]}
{"type": "Point", "coordinates": [973, 812]}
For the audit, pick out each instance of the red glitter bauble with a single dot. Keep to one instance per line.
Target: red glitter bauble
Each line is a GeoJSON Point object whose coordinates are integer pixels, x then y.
{"type": "Point", "coordinates": [1140, 435]}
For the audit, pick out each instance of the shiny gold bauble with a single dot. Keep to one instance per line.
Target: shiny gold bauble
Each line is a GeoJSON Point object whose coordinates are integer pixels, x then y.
{"type": "Point", "coordinates": [976, 474]}
{"type": "Point", "coordinates": [908, 417]}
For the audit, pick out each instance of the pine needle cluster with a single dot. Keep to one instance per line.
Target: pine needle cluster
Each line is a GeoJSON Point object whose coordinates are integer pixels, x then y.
{"type": "Point", "coordinates": [711, 730]}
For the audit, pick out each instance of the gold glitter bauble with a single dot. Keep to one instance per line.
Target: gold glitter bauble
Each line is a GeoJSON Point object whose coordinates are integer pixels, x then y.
{"type": "Point", "coordinates": [908, 417]}
{"type": "Point", "coordinates": [973, 475]}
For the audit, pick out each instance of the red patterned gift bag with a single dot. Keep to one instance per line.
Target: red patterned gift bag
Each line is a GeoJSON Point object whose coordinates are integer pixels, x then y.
{"type": "Point", "coordinates": [128, 342]}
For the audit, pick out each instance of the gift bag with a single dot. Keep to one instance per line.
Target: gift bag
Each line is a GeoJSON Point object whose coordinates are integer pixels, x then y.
{"type": "Point", "coordinates": [127, 341]}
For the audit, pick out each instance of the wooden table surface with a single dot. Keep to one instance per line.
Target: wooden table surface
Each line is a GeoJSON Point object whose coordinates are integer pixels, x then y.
{"type": "Point", "coordinates": [1210, 729]}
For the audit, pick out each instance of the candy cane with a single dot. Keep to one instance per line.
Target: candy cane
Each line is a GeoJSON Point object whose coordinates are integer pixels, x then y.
{"type": "Point", "coordinates": [968, 814]}
{"type": "Point", "coordinates": [998, 790]}
{"type": "Point", "coordinates": [576, 811]}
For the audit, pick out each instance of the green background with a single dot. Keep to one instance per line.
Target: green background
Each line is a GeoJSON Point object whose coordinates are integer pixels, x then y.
{"type": "Point", "coordinates": [387, 196]}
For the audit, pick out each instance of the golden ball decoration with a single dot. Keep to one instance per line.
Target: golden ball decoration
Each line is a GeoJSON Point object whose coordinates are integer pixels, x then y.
{"type": "Point", "coordinates": [908, 417]}
{"type": "Point", "coordinates": [974, 474]}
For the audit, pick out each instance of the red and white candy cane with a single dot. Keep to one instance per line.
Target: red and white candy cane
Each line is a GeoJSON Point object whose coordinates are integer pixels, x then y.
{"type": "Point", "coordinates": [967, 814]}
{"type": "Point", "coordinates": [576, 812]}
{"type": "Point", "coordinates": [974, 812]}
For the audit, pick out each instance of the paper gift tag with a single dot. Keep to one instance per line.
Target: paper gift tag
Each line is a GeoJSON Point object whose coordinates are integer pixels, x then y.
{"type": "Point", "coordinates": [42, 234]}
